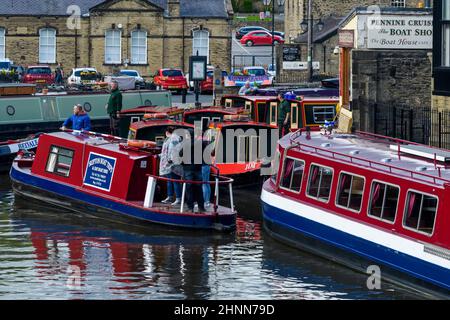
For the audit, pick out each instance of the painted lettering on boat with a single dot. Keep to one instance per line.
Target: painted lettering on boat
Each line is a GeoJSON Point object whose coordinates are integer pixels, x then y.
{"type": "Point", "coordinates": [99, 171]}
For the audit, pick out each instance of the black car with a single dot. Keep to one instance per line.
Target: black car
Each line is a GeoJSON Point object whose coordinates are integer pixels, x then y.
{"type": "Point", "coordinates": [244, 30]}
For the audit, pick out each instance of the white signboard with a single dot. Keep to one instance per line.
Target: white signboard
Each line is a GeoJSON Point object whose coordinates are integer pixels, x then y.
{"type": "Point", "coordinates": [299, 65]}
{"type": "Point", "coordinates": [399, 32]}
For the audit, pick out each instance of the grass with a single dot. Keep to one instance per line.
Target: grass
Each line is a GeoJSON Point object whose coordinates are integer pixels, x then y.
{"type": "Point", "coordinates": [251, 19]}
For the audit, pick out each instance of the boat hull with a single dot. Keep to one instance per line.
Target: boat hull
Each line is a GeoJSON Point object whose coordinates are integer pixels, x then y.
{"type": "Point", "coordinates": [298, 230]}
{"type": "Point", "coordinates": [79, 201]}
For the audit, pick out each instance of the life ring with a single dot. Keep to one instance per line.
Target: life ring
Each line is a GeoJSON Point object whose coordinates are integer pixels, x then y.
{"type": "Point", "coordinates": [141, 143]}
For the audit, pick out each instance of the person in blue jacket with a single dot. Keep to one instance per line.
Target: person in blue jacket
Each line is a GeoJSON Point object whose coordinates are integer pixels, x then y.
{"type": "Point", "coordinates": [79, 120]}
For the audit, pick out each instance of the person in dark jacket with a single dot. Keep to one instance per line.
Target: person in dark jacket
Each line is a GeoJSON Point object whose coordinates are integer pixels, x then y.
{"type": "Point", "coordinates": [113, 108]}
{"type": "Point", "coordinates": [284, 114]}
{"type": "Point", "coordinates": [79, 120]}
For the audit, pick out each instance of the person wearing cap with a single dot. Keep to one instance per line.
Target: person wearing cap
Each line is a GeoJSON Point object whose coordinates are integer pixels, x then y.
{"type": "Point", "coordinates": [284, 114]}
{"type": "Point", "coordinates": [113, 108]}
{"type": "Point", "coordinates": [79, 120]}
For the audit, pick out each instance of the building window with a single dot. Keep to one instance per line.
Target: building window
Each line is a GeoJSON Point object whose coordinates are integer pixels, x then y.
{"type": "Point", "coordinates": [383, 201]}
{"type": "Point", "coordinates": [446, 33]}
{"type": "Point", "coordinates": [2, 44]}
{"type": "Point", "coordinates": [59, 161]}
{"type": "Point", "coordinates": [420, 212]}
{"type": "Point", "coordinates": [200, 43]}
{"type": "Point", "coordinates": [398, 3]}
{"type": "Point", "coordinates": [47, 45]}
{"type": "Point", "coordinates": [292, 176]}
{"type": "Point", "coordinates": [350, 191]}
{"type": "Point", "coordinates": [113, 47]}
{"type": "Point", "coordinates": [319, 184]}
{"type": "Point", "coordinates": [139, 47]}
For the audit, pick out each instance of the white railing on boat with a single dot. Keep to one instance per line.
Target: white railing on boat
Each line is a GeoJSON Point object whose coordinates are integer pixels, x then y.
{"type": "Point", "coordinates": [217, 182]}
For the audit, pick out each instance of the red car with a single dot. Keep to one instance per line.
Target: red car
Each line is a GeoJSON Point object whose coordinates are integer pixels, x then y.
{"type": "Point", "coordinates": [207, 85]}
{"type": "Point", "coordinates": [39, 75]}
{"type": "Point", "coordinates": [260, 37]}
{"type": "Point", "coordinates": [170, 79]}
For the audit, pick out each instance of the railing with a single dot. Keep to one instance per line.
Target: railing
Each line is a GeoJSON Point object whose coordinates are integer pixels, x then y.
{"type": "Point", "coordinates": [218, 181]}
{"type": "Point", "coordinates": [370, 163]}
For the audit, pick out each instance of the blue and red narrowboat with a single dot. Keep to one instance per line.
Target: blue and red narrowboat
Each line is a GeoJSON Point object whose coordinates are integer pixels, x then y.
{"type": "Point", "coordinates": [106, 177]}
{"type": "Point", "coordinates": [363, 200]}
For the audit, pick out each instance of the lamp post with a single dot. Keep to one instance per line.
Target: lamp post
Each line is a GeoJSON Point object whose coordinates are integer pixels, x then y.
{"type": "Point", "coordinates": [280, 3]}
{"type": "Point", "coordinates": [307, 25]}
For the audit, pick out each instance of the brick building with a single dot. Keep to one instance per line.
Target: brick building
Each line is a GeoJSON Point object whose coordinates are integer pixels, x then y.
{"type": "Point", "coordinates": [295, 11]}
{"type": "Point", "coordinates": [142, 34]}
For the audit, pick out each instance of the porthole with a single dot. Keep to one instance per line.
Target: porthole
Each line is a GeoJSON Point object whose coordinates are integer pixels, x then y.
{"type": "Point", "coordinates": [10, 110]}
{"type": "Point", "coordinates": [87, 107]}
{"type": "Point", "coordinates": [148, 103]}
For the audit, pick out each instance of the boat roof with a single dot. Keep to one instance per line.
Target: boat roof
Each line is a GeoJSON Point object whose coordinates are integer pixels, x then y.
{"type": "Point", "coordinates": [393, 156]}
{"type": "Point", "coordinates": [251, 98]}
{"type": "Point", "coordinates": [153, 123]}
{"type": "Point", "coordinates": [232, 110]}
{"type": "Point", "coordinates": [153, 109]}
{"type": "Point", "coordinates": [98, 141]}
{"type": "Point", "coordinates": [226, 123]}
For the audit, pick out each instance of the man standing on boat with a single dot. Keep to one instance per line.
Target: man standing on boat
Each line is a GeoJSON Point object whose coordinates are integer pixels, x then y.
{"type": "Point", "coordinates": [114, 107]}
{"type": "Point", "coordinates": [79, 120]}
{"type": "Point", "coordinates": [284, 114]}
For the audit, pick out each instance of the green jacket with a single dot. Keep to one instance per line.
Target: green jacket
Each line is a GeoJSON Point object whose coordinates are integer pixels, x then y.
{"type": "Point", "coordinates": [115, 102]}
{"type": "Point", "coordinates": [283, 110]}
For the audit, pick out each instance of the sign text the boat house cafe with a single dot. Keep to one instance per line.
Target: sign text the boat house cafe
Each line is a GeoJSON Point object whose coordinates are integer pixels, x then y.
{"type": "Point", "coordinates": [399, 32]}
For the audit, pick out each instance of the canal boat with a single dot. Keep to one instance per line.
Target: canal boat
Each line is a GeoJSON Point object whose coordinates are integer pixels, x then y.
{"type": "Point", "coordinates": [129, 116]}
{"type": "Point", "coordinates": [311, 112]}
{"type": "Point", "coordinates": [365, 201]}
{"type": "Point", "coordinates": [9, 149]}
{"type": "Point", "coordinates": [110, 178]}
{"type": "Point", "coordinates": [212, 114]}
{"type": "Point", "coordinates": [27, 114]}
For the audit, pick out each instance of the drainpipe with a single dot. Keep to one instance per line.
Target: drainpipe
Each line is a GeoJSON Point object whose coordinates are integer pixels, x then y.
{"type": "Point", "coordinates": [182, 61]}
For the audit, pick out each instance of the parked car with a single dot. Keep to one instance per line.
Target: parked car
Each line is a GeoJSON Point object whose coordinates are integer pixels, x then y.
{"type": "Point", "coordinates": [170, 79]}
{"type": "Point", "coordinates": [272, 70]}
{"type": "Point", "coordinates": [140, 82]}
{"type": "Point", "coordinates": [82, 76]}
{"type": "Point", "coordinates": [208, 85]}
{"type": "Point", "coordinates": [39, 75]}
{"type": "Point", "coordinates": [260, 37]}
{"type": "Point", "coordinates": [245, 30]}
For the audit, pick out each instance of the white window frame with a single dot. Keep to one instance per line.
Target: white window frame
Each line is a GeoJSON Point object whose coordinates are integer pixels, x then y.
{"type": "Point", "coordinates": [2, 43]}
{"type": "Point", "coordinates": [195, 48]}
{"type": "Point", "coordinates": [398, 3]}
{"type": "Point", "coordinates": [338, 191]}
{"type": "Point", "coordinates": [369, 205]}
{"type": "Point", "coordinates": [47, 45]}
{"type": "Point", "coordinates": [418, 222]}
{"type": "Point", "coordinates": [106, 47]}
{"type": "Point", "coordinates": [445, 33]}
{"type": "Point", "coordinates": [309, 180]}
{"type": "Point", "coordinates": [292, 174]}
{"type": "Point", "coordinates": [137, 46]}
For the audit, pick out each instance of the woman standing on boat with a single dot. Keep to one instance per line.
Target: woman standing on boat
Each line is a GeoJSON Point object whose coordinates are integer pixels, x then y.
{"type": "Point", "coordinates": [166, 165]}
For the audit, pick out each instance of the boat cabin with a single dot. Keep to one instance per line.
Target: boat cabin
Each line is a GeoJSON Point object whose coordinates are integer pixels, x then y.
{"type": "Point", "coordinates": [305, 111]}
{"type": "Point", "coordinates": [154, 129]}
{"type": "Point", "coordinates": [394, 185]}
{"type": "Point", "coordinates": [127, 117]}
{"type": "Point", "coordinates": [211, 114]}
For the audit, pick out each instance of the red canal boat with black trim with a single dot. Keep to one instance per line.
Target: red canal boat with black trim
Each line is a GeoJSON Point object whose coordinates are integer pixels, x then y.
{"type": "Point", "coordinates": [364, 200]}
{"type": "Point", "coordinates": [103, 176]}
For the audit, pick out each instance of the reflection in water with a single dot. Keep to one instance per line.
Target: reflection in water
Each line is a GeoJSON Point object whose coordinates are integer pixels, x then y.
{"type": "Point", "coordinates": [45, 254]}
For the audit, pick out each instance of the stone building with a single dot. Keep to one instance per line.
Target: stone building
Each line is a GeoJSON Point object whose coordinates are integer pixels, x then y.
{"type": "Point", "coordinates": [296, 11]}
{"type": "Point", "coordinates": [141, 34]}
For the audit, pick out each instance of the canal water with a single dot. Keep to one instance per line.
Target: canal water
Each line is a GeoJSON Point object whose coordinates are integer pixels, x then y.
{"type": "Point", "coordinates": [46, 255]}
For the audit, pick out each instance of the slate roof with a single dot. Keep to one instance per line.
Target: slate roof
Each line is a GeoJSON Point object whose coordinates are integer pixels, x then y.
{"type": "Point", "coordinates": [331, 25]}
{"type": "Point", "coordinates": [188, 8]}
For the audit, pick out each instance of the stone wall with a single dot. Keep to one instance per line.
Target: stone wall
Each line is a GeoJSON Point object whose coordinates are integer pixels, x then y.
{"type": "Point", "coordinates": [389, 78]}
{"type": "Point", "coordinates": [296, 10]}
{"type": "Point", "coordinates": [169, 39]}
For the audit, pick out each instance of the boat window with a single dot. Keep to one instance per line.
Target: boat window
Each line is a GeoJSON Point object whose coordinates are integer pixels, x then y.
{"type": "Point", "coordinates": [292, 176]}
{"type": "Point", "coordinates": [294, 116]}
{"type": "Point", "coordinates": [273, 113]}
{"type": "Point", "coordinates": [131, 134]}
{"type": "Point", "coordinates": [248, 107]}
{"type": "Point", "coordinates": [420, 212]}
{"type": "Point", "coordinates": [247, 148]}
{"type": "Point", "coordinates": [383, 201]}
{"type": "Point", "coordinates": [319, 184]}
{"type": "Point", "coordinates": [59, 161]}
{"type": "Point", "coordinates": [350, 191]}
{"type": "Point", "coordinates": [322, 113]}
{"type": "Point", "coordinates": [228, 103]}
{"type": "Point", "coordinates": [135, 119]}
{"type": "Point", "coordinates": [275, 166]}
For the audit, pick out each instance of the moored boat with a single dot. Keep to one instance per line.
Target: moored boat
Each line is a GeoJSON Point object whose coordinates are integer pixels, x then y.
{"type": "Point", "coordinates": [364, 200]}
{"type": "Point", "coordinates": [9, 149]}
{"type": "Point", "coordinates": [106, 177]}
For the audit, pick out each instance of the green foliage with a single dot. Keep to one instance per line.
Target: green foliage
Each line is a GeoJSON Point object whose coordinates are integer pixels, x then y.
{"type": "Point", "coordinates": [247, 6]}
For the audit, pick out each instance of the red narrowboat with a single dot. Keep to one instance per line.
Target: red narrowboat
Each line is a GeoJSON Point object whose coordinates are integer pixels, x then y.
{"type": "Point", "coordinates": [212, 114]}
{"type": "Point", "coordinates": [106, 177]}
{"type": "Point", "coordinates": [9, 149]}
{"type": "Point", "coordinates": [366, 201]}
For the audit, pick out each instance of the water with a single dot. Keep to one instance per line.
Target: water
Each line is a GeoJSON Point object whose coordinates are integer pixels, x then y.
{"type": "Point", "coordinates": [46, 255]}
